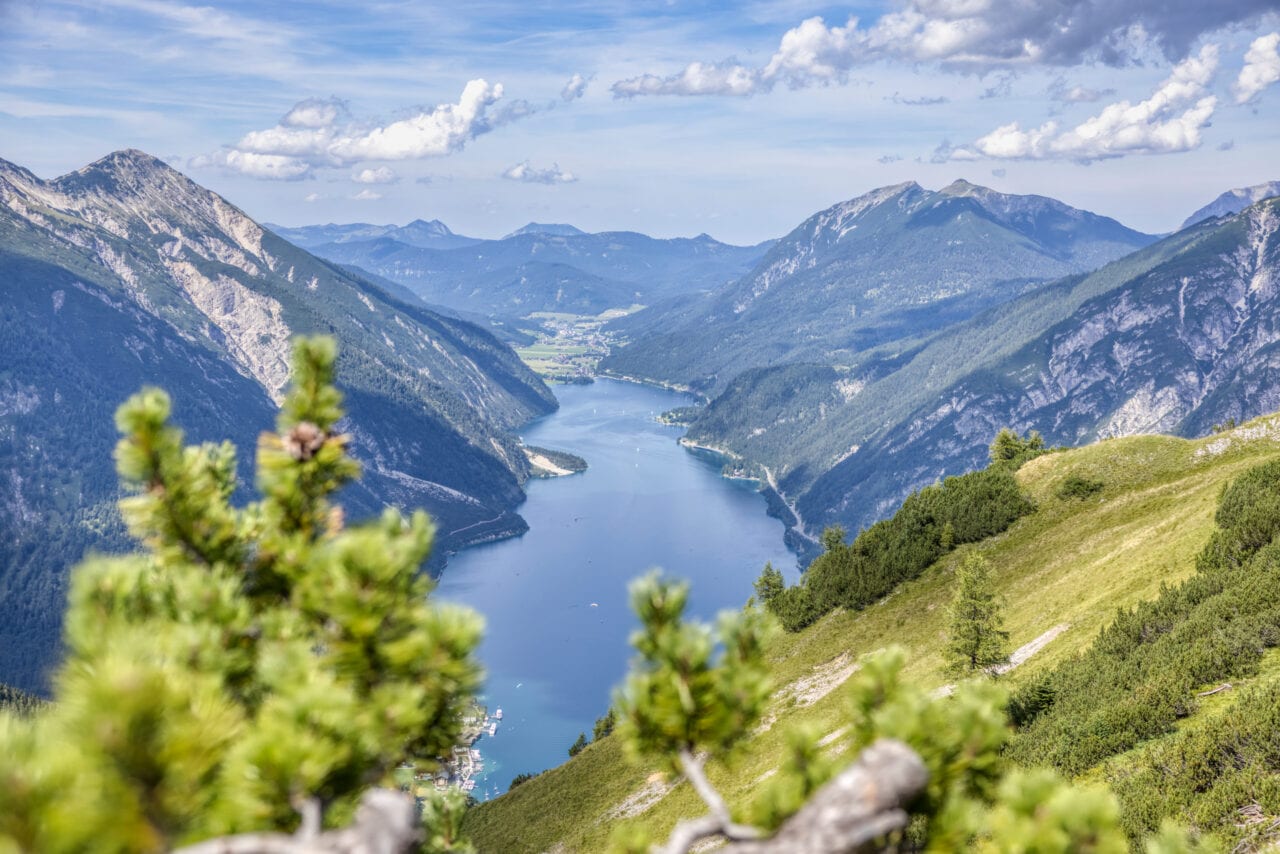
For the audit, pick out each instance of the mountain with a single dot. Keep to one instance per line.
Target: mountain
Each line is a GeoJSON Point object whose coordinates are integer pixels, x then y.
{"type": "Point", "coordinates": [1177, 337]}
{"type": "Point", "coordinates": [894, 264]}
{"type": "Point", "coordinates": [1234, 201]}
{"type": "Point", "coordinates": [126, 273]}
{"type": "Point", "coordinates": [554, 229]}
{"type": "Point", "coordinates": [427, 235]}
{"type": "Point", "coordinates": [1066, 572]}
{"type": "Point", "coordinates": [532, 271]}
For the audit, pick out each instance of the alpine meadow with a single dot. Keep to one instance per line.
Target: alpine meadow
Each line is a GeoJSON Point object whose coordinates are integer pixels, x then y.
{"type": "Point", "coordinates": [763, 428]}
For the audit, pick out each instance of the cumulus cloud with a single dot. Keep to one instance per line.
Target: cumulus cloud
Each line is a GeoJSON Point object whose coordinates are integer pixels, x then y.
{"type": "Point", "coordinates": [316, 113]}
{"type": "Point", "coordinates": [523, 171]}
{"type": "Point", "coordinates": [1261, 68]}
{"type": "Point", "coordinates": [971, 34]}
{"type": "Point", "coordinates": [1168, 121]}
{"type": "Point", "coordinates": [320, 133]}
{"type": "Point", "coordinates": [575, 88]}
{"type": "Point", "coordinates": [381, 175]}
{"type": "Point", "coordinates": [1060, 91]}
{"type": "Point", "coordinates": [312, 197]}
{"type": "Point", "coordinates": [367, 196]}
{"type": "Point", "coordinates": [271, 167]}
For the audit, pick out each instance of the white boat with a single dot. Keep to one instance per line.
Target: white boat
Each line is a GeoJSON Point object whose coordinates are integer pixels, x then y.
{"type": "Point", "coordinates": [493, 729]}
{"type": "Point", "coordinates": [498, 714]}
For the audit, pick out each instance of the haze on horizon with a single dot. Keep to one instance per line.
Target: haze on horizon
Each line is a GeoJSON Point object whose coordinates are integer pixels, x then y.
{"type": "Point", "coordinates": [666, 118]}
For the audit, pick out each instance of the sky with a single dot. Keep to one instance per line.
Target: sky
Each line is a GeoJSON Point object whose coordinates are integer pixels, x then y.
{"type": "Point", "coordinates": [670, 118]}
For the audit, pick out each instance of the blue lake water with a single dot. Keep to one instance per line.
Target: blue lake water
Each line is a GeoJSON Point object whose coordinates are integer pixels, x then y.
{"type": "Point", "coordinates": [555, 599]}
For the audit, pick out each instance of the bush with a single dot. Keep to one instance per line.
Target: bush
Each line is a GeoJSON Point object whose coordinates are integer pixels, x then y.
{"type": "Point", "coordinates": [962, 509]}
{"type": "Point", "coordinates": [1140, 676]}
{"type": "Point", "coordinates": [246, 662]}
{"type": "Point", "coordinates": [1078, 487]}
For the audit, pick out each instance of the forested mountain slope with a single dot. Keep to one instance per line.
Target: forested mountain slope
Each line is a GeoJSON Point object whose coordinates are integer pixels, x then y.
{"type": "Point", "coordinates": [1175, 337]}
{"type": "Point", "coordinates": [126, 273]}
{"type": "Point", "coordinates": [1075, 564]}
{"type": "Point", "coordinates": [891, 265]}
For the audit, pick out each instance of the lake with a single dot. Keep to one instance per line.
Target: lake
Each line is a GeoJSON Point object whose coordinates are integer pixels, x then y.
{"type": "Point", "coordinates": [555, 599]}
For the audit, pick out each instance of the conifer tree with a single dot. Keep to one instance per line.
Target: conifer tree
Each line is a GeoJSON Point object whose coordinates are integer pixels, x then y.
{"type": "Point", "coordinates": [250, 669]}
{"type": "Point", "coordinates": [769, 585]}
{"type": "Point", "coordinates": [976, 641]}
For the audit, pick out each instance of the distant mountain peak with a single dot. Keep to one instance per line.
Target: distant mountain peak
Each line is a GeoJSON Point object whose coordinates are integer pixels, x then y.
{"type": "Point", "coordinates": [125, 170]}
{"type": "Point", "coordinates": [434, 225]}
{"type": "Point", "coordinates": [554, 229]}
{"type": "Point", "coordinates": [1234, 201]}
{"type": "Point", "coordinates": [126, 161]}
{"type": "Point", "coordinates": [961, 187]}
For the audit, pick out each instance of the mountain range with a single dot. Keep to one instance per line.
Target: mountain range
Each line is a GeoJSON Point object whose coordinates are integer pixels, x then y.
{"type": "Point", "coordinates": [1234, 201]}
{"type": "Point", "coordinates": [894, 264]}
{"type": "Point", "coordinates": [426, 235]}
{"type": "Point", "coordinates": [1176, 337]}
{"type": "Point", "coordinates": [540, 267]}
{"type": "Point", "coordinates": [125, 273]}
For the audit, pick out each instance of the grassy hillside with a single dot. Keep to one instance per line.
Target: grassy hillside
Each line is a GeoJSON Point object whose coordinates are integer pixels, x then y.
{"type": "Point", "coordinates": [1063, 570]}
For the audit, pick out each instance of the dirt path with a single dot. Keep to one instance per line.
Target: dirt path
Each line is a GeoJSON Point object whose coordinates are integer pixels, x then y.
{"type": "Point", "coordinates": [1018, 658]}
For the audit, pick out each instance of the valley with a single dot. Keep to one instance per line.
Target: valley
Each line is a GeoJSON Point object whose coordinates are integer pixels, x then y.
{"type": "Point", "coordinates": [741, 419]}
{"type": "Point", "coordinates": [642, 428]}
{"type": "Point", "coordinates": [567, 348]}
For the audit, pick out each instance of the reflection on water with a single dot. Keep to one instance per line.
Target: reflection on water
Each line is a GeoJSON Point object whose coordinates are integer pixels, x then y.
{"type": "Point", "coordinates": [554, 599]}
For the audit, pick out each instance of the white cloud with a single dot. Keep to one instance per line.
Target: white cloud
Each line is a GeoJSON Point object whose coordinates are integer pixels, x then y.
{"type": "Point", "coordinates": [697, 79]}
{"type": "Point", "coordinates": [367, 196]}
{"type": "Point", "coordinates": [315, 113]}
{"type": "Point", "coordinates": [1060, 91]}
{"type": "Point", "coordinates": [381, 175]}
{"type": "Point", "coordinates": [320, 133]}
{"type": "Point", "coordinates": [271, 167]}
{"type": "Point", "coordinates": [522, 171]}
{"type": "Point", "coordinates": [970, 34]}
{"type": "Point", "coordinates": [1153, 126]}
{"type": "Point", "coordinates": [1261, 68]}
{"type": "Point", "coordinates": [574, 89]}
{"type": "Point", "coordinates": [312, 197]}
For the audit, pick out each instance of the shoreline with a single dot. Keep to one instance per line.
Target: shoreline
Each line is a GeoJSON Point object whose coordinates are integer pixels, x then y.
{"type": "Point", "coordinates": [798, 528]}
{"type": "Point", "coordinates": [682, 389]}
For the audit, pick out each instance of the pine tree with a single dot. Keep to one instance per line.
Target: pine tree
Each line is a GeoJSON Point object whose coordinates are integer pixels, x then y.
{"type": "Point", "coordinates": [604, 725]}
{"type": "Point", "coordinates": [249, 667]}
{"type": "Point", "coordinates": [579, 745]}
{"type": "Point", "coordinates": [976, 640]}
{"type": "Point", "coordinates": [1008, 446]}
{"type": "Point", "coordinates": [769, 585]}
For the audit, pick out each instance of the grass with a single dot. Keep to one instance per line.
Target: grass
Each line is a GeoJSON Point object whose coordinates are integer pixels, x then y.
{"type": "Point", "coordinates": [1072, 561]}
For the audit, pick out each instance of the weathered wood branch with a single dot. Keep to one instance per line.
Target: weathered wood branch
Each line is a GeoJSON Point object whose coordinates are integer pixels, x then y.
{"type": "Point", "coordinates": [386, 823]}
{"type": "Point", "coordinates": [862, 804]}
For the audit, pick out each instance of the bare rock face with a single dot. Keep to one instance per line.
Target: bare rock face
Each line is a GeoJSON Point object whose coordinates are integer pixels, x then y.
{"type": "Point", "coordinates": [126, 273]}
{"type": "Point", "coordinates": [1188, 343]}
